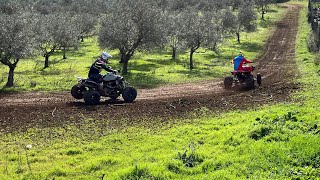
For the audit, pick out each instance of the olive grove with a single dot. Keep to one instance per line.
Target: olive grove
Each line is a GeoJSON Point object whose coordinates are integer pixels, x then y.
{"type": "Point", "coordinates": [125, 25]}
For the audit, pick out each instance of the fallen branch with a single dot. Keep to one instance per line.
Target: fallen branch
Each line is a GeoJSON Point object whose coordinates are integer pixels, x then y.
{"type": "Point", "coordinates": [53, 112]}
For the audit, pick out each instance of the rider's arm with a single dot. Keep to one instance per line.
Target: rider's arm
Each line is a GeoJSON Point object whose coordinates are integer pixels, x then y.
{"type": "Point", "coordinates": [246, 60]}
{"type": "Point", "coordinates": [107, 68]}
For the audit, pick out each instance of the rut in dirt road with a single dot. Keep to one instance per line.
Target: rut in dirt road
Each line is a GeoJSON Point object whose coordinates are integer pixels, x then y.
{"type": "Point", "coordinates": [276, 64]}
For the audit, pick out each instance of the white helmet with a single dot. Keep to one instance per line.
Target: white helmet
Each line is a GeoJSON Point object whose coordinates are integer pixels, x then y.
{"type": "Point", "coordinates": [105, 56]}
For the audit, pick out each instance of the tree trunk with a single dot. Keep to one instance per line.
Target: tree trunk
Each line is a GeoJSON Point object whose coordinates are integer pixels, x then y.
{"type": "Point", "coordinates": [238, 37]}
{"type": "Point", "coordinates": [214, 47]}
{"type": "Point", "coordinates": [122, 58]}
{"type": "Point", "coordinates": [125, 57]}
{"type": "Point", "coordinates": [174, 53]}
{"type": "Point", "coordinates": [64, 53]}
{"type": "Point", "coordinates": [46, 61]}
{"type": "Point", "coordinates": [125, 60]}
{"type": "Point", "coordinates": [10, 76]}
{"type": "Point", "coordinates": [263, 11]}
{"type": "Point", "coordinates": [191, 58]}
{"type": "Point", "coordinates": [125, 67]}
{"type": "Point", "coordinates": [82, 38]}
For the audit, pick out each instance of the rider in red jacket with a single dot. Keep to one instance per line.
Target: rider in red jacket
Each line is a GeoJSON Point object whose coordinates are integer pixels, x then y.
{"type": "Point", "coordinates": [239, 61]}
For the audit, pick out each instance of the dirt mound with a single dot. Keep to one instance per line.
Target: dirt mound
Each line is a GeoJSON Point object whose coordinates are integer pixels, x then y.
{"type": "Point", "coordinates": [276, 64]}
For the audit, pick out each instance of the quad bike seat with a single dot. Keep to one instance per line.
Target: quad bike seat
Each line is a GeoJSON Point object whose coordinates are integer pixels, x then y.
{"type": "Point", "coordinates": [89, 80]}
{"type": "Point", "coordinates": [239, 72]}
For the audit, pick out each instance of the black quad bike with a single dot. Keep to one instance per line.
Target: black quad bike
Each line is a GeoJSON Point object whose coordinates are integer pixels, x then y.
{"type": "Point", "coordinates": [242, 79]}
{"type": "Point", "coordinates": [112, 86]}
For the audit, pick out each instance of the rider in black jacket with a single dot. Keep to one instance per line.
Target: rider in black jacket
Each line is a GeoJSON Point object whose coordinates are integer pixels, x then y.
{"type": "Point", "coordinates": [98, 65]}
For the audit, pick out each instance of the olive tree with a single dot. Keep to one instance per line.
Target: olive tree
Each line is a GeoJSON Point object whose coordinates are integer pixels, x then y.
{"type": "Point", "coordinates": [235, 4]}
{"type": "Point", "coordinates": [45, 36]}
{"type": "Point", "coordinates": [246, 19]}
{"type": "Point", "coordinates": [55, 32]}
{"type": "Point", "coordinates": [243, 20]}
{"type": "Point", "coordinates": [131, 25]}
{"type": "Point", "coordinates": [10, 7]}
{"type": "Point", "coordinates": [181, 5]}
{"type": "Point", "coordinates": [196, 30]}
{"type": "Point", "coordinates": [92, 7]}
{"type": "Point", "coordinates": [66, 33]}
{"type": "Point", "coordinates": [216, 31]}
{"type": "Point", "coordinates": [211, 5]}
{"type": "Point", "coordinates": [263, 6]}
{"type": "Point", "coordinates": [71, 6]}
{"type": "Point", "coordinates": [46, 6]}
{"type": "Point", "coordinates": [173, 33]}
{"type": "Point", "coordinates": [85, 24]}
{"type": "Point", "coordinates": [16, 41]}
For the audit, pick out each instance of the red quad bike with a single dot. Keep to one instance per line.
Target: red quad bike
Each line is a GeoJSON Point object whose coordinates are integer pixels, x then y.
{"type": "Point", "coordinates": [113, 86]}
{"type": "Point", "coordinates": [242, 79]}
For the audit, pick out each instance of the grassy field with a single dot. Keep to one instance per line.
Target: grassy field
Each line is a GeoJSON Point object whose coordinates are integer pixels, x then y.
{"type": "Point", "coordinates": [146, 69]}
{"type": "Point", "coordinates": [270, 142]}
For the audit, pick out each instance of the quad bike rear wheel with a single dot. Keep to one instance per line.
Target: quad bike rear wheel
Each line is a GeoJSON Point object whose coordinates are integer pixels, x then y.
{"type": "Point", "coordinates": [91, 97]}
{"type": "Point", "coordinates": [77, 92]}
{"type": "Point", "coordinates": [249, 82]}
{"type": "Point", "coordinates": [129, 94]}
{"type": "Point", "coordinates": [228, 82]}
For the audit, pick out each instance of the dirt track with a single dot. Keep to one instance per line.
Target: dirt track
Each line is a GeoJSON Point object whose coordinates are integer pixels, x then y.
{"type": "Point", "coordinates": [276, 65]}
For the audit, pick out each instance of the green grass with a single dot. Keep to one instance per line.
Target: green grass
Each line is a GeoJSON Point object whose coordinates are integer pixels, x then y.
{"type": "Point", "coordinates": [270, 142]}
{"type": "Point", "coordinates": [148, 70]}
{"type": "Point", "coordinates": [224, 146]}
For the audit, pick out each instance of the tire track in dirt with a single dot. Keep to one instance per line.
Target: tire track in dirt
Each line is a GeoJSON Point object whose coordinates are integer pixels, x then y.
{"type": "Point", "coordinates": [276, 64]}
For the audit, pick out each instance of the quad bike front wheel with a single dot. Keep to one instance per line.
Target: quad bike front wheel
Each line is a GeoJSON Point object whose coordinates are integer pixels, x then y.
{"type": "Point", "coordinates": [77, 92]}
{"type": "Point", "coordinates": [129, 94]}
{"type": "Point", "coordinates": [91, 97]}
{"type": "Point", "coordinates": [228, 82]}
